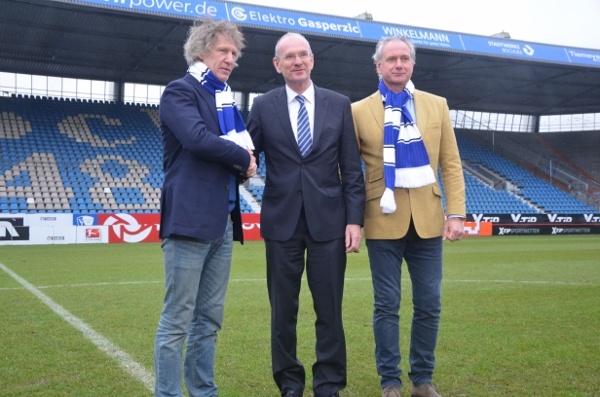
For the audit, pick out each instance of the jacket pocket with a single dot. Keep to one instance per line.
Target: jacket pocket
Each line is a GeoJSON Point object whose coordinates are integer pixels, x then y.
{"type": "Point", "coordinates": [375, 185]}
{"type": "Point", "coordinates": [375, 175]}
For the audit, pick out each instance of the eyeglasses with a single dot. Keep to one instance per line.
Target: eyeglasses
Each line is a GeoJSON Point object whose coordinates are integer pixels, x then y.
{"type": "Point", "coordinates": [292, 57]}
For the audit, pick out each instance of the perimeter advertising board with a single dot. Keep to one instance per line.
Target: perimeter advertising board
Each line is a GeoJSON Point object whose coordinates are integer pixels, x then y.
{"type": "Point", "coordinates": [13, 229]}
{"type": "Point", "coordinates": [538, 224]}
{"type": "Point", "coordinates": [24, 229]}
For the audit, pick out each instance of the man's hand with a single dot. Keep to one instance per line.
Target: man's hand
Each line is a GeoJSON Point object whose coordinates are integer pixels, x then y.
{"type": "Point", "coordinates": [352, 238]}
{"type": "Point", "coordinates": [454, 229]}
{"type": "Point", "coordinates": [251, 171]}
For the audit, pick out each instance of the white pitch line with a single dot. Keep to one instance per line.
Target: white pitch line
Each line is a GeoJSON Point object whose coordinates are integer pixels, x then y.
{"type": "Point", "coordinates": [99, 284]}
{"type": "Point", "coordinates": [348, 279]}
{"type": "Point", "coordinates": [521, 282]}
{"type": "Point", "coordinates": [126, 362]}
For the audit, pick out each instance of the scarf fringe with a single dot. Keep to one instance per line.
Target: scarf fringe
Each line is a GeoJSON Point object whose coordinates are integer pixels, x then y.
{"type": "Point", "coordinates": [388, 204]}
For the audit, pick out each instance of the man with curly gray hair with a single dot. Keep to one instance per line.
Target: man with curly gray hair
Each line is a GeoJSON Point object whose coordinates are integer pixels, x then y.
{"type": "Point", "coordinates": [207, 152]}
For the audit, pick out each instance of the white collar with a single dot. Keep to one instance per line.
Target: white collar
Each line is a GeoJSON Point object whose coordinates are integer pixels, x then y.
{"type": "Point", "coordinates": [308, 94]}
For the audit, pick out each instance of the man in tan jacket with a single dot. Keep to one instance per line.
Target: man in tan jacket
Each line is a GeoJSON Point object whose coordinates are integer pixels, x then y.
{"type": "Point", "coordinates": [405, 136]}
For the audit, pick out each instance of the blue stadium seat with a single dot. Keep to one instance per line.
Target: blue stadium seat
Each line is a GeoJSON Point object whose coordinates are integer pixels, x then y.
{"type": "Point", "coordinates": [76, 162]}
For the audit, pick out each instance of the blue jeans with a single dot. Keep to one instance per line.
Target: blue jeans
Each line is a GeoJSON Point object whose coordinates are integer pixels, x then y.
{"type": "Point", "coordinates": [196, 277]}
{"type": "Point", "coordinates": [424, 262]}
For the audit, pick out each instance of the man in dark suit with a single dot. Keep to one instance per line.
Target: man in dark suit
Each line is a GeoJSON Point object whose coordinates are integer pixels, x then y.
{"type": "Point", "coordinates": [205, 154]}
{"type": "Point", "coordinates": [313, 203]}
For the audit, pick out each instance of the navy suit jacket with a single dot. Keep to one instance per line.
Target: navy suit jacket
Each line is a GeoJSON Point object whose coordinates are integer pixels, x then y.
{"type": "Point", "coordinates": [328, 182]}
{"type": "Point", "coordinates": [198, 165]}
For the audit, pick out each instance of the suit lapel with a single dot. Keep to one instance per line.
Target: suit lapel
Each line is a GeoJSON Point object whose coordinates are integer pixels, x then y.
{"type": "Point", "coordinates": [321, 109]}
{"type": "Point", "coordinates": [280, 105]}
{"type": "Point", "coordinates": [206, 96]}
{"type": "Point", "coordinates": [420, 110]}
{"type": "Point", "coordinates": [424, 116]}
{"type": "Point", "coordinates": [376, 108]}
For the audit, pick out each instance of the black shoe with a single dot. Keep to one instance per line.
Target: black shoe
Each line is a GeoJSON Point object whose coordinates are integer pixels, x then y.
{"type": "Point", "coordinates": [291, 393]}
{"type": "Point", "coordinates": [336, 394]}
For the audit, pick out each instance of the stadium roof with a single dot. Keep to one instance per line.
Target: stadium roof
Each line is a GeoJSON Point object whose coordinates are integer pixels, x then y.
{"type": "Point", "coordinates": [115, 41]}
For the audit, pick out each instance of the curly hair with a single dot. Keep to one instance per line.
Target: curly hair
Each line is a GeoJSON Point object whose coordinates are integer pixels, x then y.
{"type": "Point", "coordinates": [202, 36]}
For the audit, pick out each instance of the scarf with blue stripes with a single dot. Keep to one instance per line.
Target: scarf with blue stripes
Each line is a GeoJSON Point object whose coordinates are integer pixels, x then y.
{"type": "Point", "coordinates": [231, 121]}
{"type": "Point", "coordinates": [405, 159]}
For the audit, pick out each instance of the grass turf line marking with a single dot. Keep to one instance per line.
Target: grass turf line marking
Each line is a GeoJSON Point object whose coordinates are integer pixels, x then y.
{"type": "Point", "coordinates": [124, 360]}
{"type": "Point", "coordinates": [348, 279]}
{"type": "Point", "coordinates": [523, 282]}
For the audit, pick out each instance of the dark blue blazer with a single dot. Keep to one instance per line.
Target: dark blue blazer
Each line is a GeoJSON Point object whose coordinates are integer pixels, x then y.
{"type": "Point", "coordinates": [197, 165]}
{"type": "Point", "coordinates": [328, 182]}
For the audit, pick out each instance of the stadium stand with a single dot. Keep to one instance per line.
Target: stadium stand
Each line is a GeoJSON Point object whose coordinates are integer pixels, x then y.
{"type": "Point", "coordinates": [568, 161]}
{"type": "Point", "coordinates": [77, 156]}
{"type": "Point", "coordinates": [514, 188]}
{"type": "Point", "coordinates": [578, 149]}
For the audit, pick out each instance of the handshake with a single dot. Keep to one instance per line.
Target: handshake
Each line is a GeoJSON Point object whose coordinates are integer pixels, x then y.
{"type": "Point", "coordinates": [252, 167]}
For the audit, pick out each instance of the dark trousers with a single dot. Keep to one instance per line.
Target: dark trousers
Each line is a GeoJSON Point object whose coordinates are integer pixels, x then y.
{"type": "Point", "coordinates": [423, 259]}
{"type": "Point", "coordinates": [325, 268]}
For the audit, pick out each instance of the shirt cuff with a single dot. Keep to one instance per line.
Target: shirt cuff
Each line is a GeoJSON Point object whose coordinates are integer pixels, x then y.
{"type": "Point", "coordinates": [451, 216]}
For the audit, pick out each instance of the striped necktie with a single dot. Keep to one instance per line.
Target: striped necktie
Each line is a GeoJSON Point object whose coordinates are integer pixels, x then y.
{"type": "Point", "coordinates": [304, 136]}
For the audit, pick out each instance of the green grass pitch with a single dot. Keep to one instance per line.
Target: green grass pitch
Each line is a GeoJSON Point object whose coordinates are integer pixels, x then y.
{"type": "Point", "coordinates": [521, 317]}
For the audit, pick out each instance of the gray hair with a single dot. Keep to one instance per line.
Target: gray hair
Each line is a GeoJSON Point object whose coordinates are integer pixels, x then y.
{"type": "Point", "coordinates": [202, 36]}
{"type": "Point", "coordinates": [385, 40]}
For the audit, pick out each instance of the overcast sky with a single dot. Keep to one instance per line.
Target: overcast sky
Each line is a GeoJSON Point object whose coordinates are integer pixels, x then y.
{"type": "Point", "coordinates": [571, 23]}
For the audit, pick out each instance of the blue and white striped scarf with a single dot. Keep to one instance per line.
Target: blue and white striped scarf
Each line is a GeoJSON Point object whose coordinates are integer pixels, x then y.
{"type": "Point", "coordinates": [405, 159]}
{"type": "Point", "coordinates": [231, 121]}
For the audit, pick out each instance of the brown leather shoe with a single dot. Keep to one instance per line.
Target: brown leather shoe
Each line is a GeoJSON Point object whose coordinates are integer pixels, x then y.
{"type": "Point", "coordinates": [391, 391]}
{"type": "Point", "coordinates": [425, 390]}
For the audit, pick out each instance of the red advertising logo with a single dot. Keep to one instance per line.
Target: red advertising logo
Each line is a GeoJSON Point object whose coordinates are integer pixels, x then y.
{"type": "Point", "coordinates": [478, 228]}
{"type": "Point", "coordinates": [144, 228]}
{"type": "Point", "coordinates": [92, 233]}
{"type": "Point", "coordinates": [131, 228]}
{"type": "Point", "coordinates": [251, 226]}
